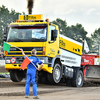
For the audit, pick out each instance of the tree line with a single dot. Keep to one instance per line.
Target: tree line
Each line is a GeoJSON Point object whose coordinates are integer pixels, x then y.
{"type": "Point", "coordinates": [76, 32]}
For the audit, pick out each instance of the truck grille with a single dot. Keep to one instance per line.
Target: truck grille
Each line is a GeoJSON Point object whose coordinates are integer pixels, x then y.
{"type": "Point", "coordinates": [27, 50]}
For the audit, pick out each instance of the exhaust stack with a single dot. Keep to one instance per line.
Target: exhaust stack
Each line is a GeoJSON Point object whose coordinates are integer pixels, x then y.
{"type": "Point", "coordinates": [30, 6]}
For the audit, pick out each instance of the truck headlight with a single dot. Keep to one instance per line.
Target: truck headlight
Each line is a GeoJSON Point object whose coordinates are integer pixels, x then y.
{"type": "Point", "coordinates": [42, 61]}
{"type": "Point", "coordinates": [7, 61]}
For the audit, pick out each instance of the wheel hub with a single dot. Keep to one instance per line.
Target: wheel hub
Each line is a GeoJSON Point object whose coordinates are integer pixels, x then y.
{"type": "Point", "coordinates": [79, 79]}
{"type": "Point", "coordinates": [57, 74]}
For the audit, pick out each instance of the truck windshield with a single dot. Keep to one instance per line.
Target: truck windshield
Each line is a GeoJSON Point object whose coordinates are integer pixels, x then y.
{"type": "Point", "coordinates": [27, 34]}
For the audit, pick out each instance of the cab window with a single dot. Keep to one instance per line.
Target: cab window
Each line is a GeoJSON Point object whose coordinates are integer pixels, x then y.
{"type": "Point", "coordinates": [50, 30]}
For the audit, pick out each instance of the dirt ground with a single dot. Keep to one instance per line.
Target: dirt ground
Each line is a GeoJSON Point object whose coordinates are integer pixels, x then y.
{"type": "Point", "coordinates": [14, 91]}
{"type": "Point", "coordinates": [84, 93]}
{"type": "Point", "coordinates": [2, 69]}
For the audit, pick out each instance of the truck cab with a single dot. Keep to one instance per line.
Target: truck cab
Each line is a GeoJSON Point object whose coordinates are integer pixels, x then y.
{"type": "Point", "coordinates": [29, 32]}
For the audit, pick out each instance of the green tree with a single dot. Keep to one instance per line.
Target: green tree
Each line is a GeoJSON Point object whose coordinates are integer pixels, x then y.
{"type": "Point", "coordinates": [89, 42]}
{"type": "Point", "coordinates": [62, 24]}
{"type": "Point", "coordinates": [6, 17]}
{"type": "Point", "coordinates": [96, 39]}
{"type": "Point", "coordinates": [76, 32]}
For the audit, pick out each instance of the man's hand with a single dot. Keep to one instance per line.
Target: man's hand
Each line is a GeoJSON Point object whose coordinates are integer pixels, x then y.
{"type": "Point", "coordinates": [40, 67]}
{"type": "Point", "coordinates": [21, 49]}
{"type": "Point", "coordinates": [22, 52]}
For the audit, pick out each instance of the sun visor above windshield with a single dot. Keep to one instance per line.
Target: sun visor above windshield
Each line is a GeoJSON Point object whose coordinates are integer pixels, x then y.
{"type": "Point", "coordinates": [20, 26]}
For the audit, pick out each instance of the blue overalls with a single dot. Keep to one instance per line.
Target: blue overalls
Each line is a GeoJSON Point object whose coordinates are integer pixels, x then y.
{"type": "Point", "coordinates": [31, 75]}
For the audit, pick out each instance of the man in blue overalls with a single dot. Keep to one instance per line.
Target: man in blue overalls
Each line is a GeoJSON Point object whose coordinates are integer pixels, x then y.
{"type": "Point", "coordinates": [32, 73]}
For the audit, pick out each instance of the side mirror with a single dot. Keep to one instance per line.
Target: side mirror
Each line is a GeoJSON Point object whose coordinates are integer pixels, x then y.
{"type": "Point", "coordinates": [5, 34]}
{"type": "Point", "coordinates": [54, 34]}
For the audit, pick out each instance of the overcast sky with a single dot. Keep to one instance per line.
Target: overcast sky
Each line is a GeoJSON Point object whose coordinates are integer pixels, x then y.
{"type": "Point", "coordinates": [85, 12]}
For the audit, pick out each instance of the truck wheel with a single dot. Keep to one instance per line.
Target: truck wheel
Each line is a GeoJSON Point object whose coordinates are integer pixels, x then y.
{"type": "Point", "coordinates": [78, 81]}
{"type": "Point", "coordinates": [16, 75]}
{"type": "Point", "coordinates": [56, 75]}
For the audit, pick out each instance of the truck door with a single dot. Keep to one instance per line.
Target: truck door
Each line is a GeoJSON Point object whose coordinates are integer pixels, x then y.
{"type": "Point", "coordinates": [53, 44]}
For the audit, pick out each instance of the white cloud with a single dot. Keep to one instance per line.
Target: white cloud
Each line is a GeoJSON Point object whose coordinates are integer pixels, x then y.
{"type": "Point", "coordinates": [63, 11]}
{"type": "Point", "coordinates": [70, 11]}
{"type": "Point", "coordinates": [17, 5]}
{"type": "Point", "coordinates": [90, 11]}
{"type": "Point", "coordinates": [98, 13]}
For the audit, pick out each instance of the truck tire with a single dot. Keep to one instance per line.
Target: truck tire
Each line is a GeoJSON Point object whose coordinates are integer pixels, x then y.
{"type": "Point", "coordinates": [78, 81]}
{"type": "Point", "coordinates": [56, 75]}
{"type": "Point", "coordinates": [16, 75]}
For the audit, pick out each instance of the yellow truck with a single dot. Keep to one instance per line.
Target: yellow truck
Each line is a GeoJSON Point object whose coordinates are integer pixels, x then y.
{"type": "Point", "coordinates": [61, 55]}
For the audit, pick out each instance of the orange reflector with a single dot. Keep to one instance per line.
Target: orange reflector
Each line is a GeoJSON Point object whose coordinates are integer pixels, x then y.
{"type": "Point", "coordinates": [17, 20]}
{"type": "Point", "coordinates": [47, 20]}
{"type": "Point", "coordinates": [44, 49]}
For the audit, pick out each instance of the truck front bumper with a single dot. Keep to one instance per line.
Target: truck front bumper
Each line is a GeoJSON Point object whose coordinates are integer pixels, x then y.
{"type": "Point", "coordinates": [17, 66]}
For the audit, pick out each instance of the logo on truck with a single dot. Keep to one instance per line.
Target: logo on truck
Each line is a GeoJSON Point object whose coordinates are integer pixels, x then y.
{"type": "Point", "coordinates": [62, 44]}
{"type": "Point", "coordinates": [26, 17]}
{"type": "Point", "coordinates": [52, 51]}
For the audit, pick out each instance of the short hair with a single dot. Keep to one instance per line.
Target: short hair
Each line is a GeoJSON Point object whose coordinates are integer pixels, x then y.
{"type": "Point", "coordinates": [33, 52]}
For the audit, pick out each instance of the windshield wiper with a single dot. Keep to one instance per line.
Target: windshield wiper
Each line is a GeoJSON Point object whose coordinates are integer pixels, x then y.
{"type": "Point", "coordinates": [35, 40]}
{"type": "Point", "coordinates": [38, 40]}
{"type": "Point", "coordinates": [15, 40]}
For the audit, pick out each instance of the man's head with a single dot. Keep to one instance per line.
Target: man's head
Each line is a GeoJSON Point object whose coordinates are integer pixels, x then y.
{"type": "Point", "coordinates": [33, 52]}
{"type": "Point", "coordinates": [23, 34]}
